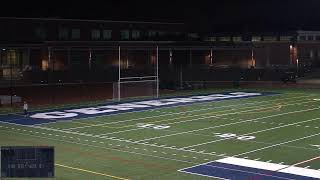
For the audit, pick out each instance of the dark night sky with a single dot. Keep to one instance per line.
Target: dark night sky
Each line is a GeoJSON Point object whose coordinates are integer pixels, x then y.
{"type": "Point", "coordinates": [219, 15]}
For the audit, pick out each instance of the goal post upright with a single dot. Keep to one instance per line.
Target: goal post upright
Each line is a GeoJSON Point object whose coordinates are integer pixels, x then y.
{"type": "Point", "coordinates": [150, 80]}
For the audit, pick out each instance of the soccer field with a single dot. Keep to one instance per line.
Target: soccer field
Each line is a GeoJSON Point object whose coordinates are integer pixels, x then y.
{"type": "Point", "coordinates": [275, 136]}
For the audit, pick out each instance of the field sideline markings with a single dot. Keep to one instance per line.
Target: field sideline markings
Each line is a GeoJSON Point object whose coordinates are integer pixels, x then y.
{"type": "Point", "coordinates": [299, 163]}
{"type": "Point", "coordinates": [182, 105]}
{"type": "Point", "coordinates": [201, 118]}
{"type": "Point", "coordinates": [102, 147]}
{"type": "Point", "coordinates": [288, 146]}
{"type": "Point", "coordinates": [126, 141]}
{"type": "Point", "coordinates": [255, 132]}
{"type": "Point", "coordinates": [170, 114]}
{"type": "Point", "coordinates": [185, 112]}
{"type": "Point", "coordinates": [249, 172]}
{"type": "Point", "coordinates": [104, 138]}
{"type": "Point", "coordinates": [91, 172]}
{"type": "Point", "coordinates": [223, 125]}
{"type": "Point", "coordinates": [275, 145]}
{"type": "Point", "coordinates": [137, 142]}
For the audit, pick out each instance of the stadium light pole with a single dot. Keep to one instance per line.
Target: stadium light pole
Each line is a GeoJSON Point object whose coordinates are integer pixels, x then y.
{"type": "Point", "coordinates": [11, 88]}
{"type": "Point", "coordinates": [157, 71]}
{"type": "Point", "coordinates": [119, 73]}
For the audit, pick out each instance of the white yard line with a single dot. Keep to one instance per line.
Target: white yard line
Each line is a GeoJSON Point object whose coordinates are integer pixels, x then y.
{"type": "Point", "coordinates": [264, 130]}
{"type": "Point", "coordinates": [275, 145]}
{"type": "Point", "coordinates": [102, 147]}
{"type": "Point", "coordinates": [126, 141]}
{"type": "Point", "coordinates": [138, 142]}
{"type": "Point", "coordinates": [205, 117]}
{"type": "Point", "coordinates": [185, 112]}
{"type": "Point", "coordinates": [239, 122]}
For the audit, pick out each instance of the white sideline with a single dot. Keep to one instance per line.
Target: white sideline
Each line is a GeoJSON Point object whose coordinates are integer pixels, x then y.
{"type": "Point", "coordinates": [252, 163]}
{"type": "Point", "coordinates": [302, 171]}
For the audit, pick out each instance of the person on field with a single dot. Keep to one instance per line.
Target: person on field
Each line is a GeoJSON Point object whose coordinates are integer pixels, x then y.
{"type": "Point", "coordinates": [25, 108]}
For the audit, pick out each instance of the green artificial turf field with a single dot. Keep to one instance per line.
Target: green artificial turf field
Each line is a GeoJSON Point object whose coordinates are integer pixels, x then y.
{"type": "Point", "coordinates": [282, 129]}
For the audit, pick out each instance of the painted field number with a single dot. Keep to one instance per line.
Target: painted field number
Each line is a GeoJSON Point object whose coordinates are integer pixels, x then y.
{"type": "Point", "coordinates": [154, 126]}
{"type": "Point", "coordinates": [235, 136]}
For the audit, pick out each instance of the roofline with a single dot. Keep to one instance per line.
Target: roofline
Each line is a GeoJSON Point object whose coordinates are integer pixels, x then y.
{"type": "Point", "coordinates": [89, 20]}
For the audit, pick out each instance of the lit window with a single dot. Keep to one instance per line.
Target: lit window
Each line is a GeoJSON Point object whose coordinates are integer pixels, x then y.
{"type": "Point", "coordinates": [256, 38]}
{"type": "Point", "coordinates": [124, 34]}
{"type": "Point", "coordinates": [135, 34]}
{"type": "Point", "coordinates": [285, 38]}
{"type": "Point", "coordinates": [225, 38]}
{"type": "Point", "coordinates": [193, 35]}
{"type": "Point", "coordinates": [95, 34]}
{"type": "Point", "coordinates": [107, 34]}
{"type": "Point", "coordinates": [63, 33]}
{"type": "Point", "coordinates": [44, 65]}
{"type": "Point", "coordinates": [237, 38]}
{"type": "Point", "coordinates": [211, 39]}
{"type": "Point", "coordinates": [75, 33]}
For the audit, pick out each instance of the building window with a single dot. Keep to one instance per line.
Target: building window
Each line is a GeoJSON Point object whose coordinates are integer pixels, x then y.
{"type": "Point", "coordinates": [63, 33]}
{"type": "Point", "coordinates": [224, 38]}
{"type": "Point", "coordinates": [95, 34]}
{"type": "Point", "coordinates": [211, 39]}
{"type": "Point", "coordinates": [317, 38]}
{"type": "Point", "coordinates": [162, 34]}
{"type": "Point", "coordinates": [302, 38]}
{"type": "Point", "coordinates": [75, 34]}
{"type": "Point", "coordinates": [285, 38]}
{"type": "Point", "coordinates": [136, 34]}
{"type": "Point", "coordinates": [107, 34]}
{"type": "Point", "coordinates": [40, 33]}
{"type": "Point", "coordinates": [310, 38]}
{"type": "Point", "coordinates": [152, 34]}
{"type": "Point", "coordinates": [256, 38]}
{"type": "Point", "coordinates": [270, 38]}
{"type": "Point", "coordinates": [124, 34]}
{"type": "Point", "coordinates": [193, 35]}
{"type": "Point", "coordinates": [44, 65]}
{"type": "Point", "coordinates": [236, 38]}
{"type": "Point", "coordinates": [311, 54]}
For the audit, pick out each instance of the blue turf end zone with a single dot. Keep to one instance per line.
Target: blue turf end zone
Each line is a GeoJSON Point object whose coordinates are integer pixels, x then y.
{"type": "Point", "coordinates": [234, 172]}
{"type": "Point", "coordinates": [20, 119]}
